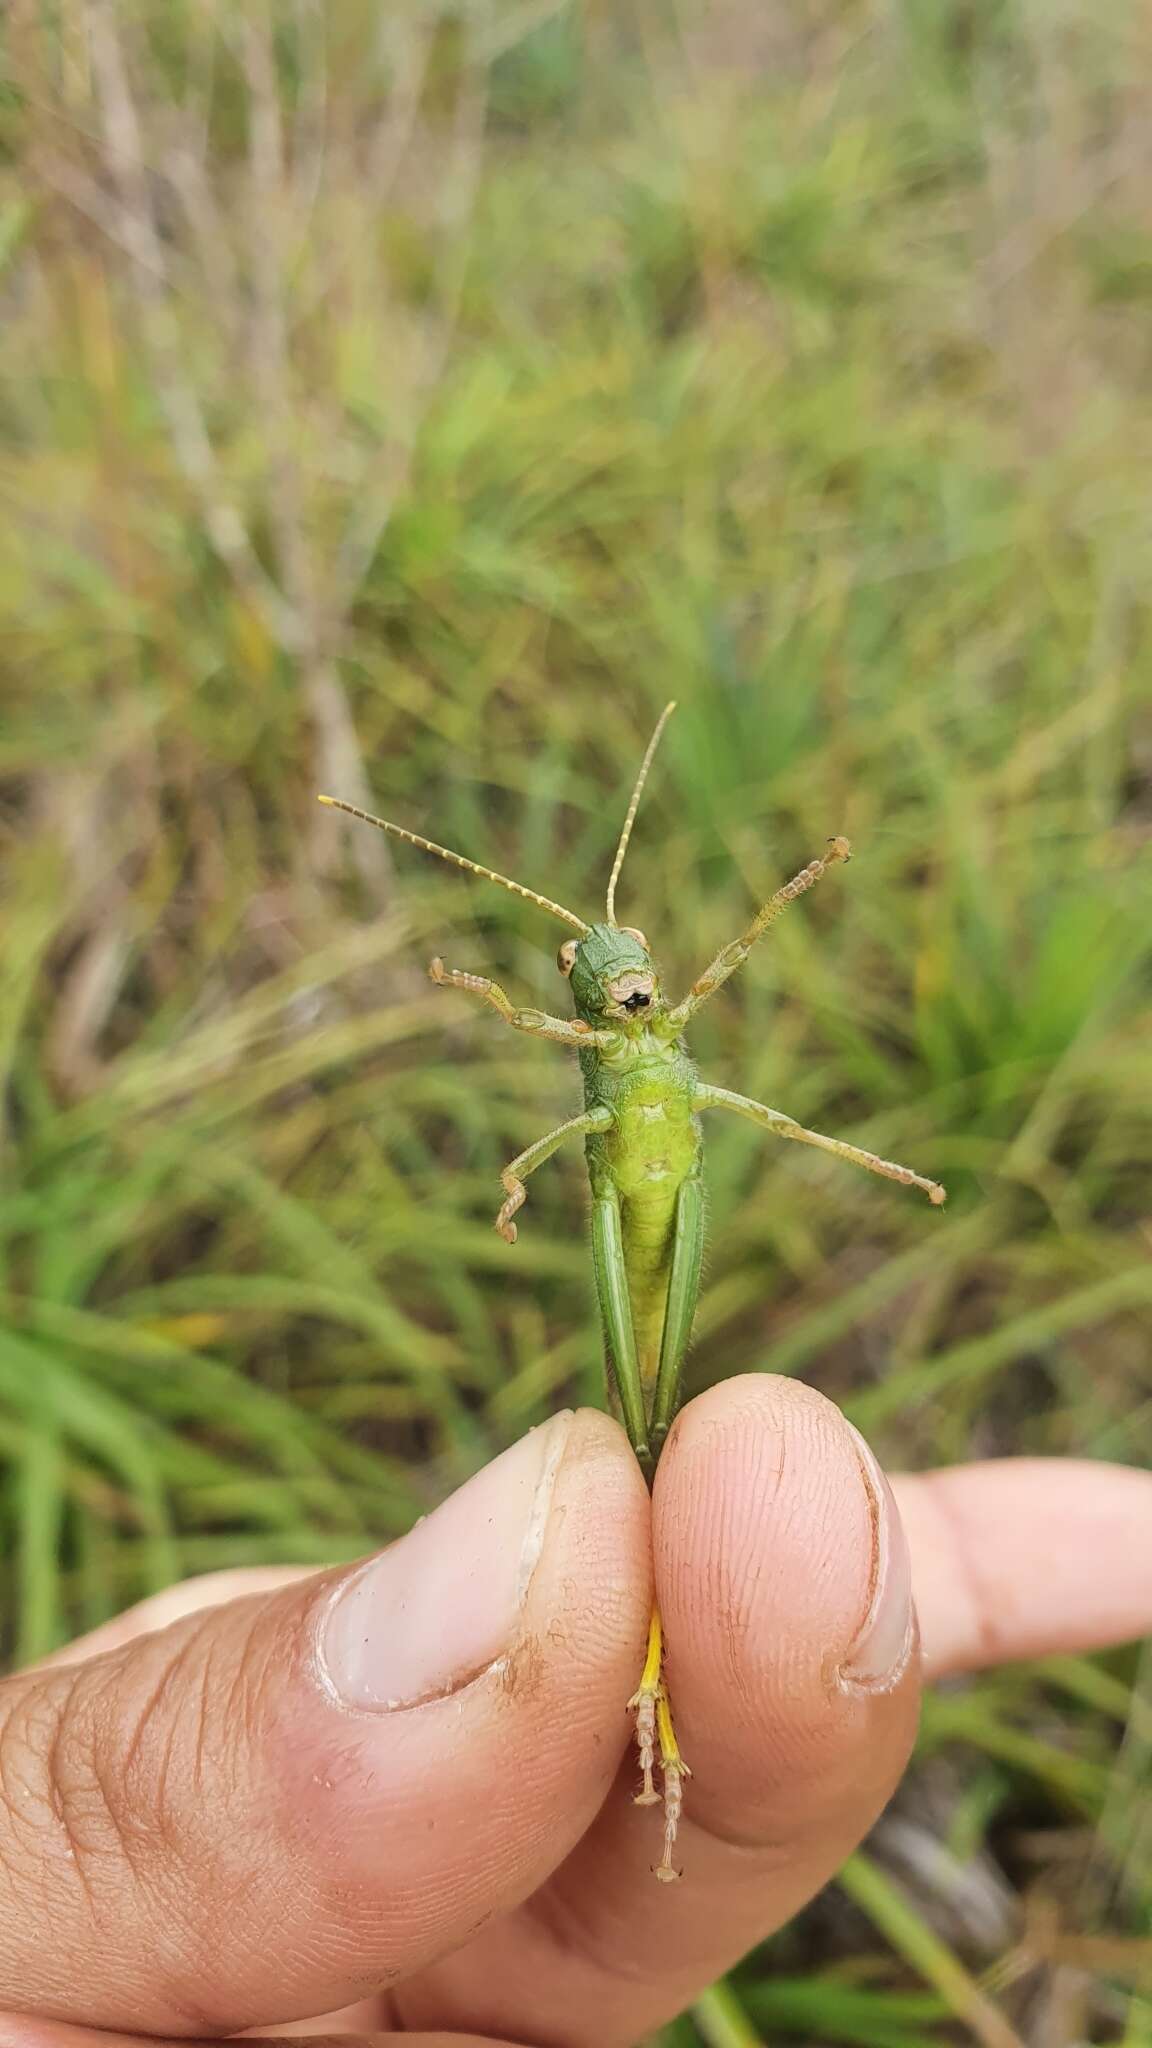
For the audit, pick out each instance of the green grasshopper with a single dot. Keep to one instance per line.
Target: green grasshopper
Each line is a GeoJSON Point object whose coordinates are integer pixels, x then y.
{"type": "Point", "coordinates": [644, 1147]}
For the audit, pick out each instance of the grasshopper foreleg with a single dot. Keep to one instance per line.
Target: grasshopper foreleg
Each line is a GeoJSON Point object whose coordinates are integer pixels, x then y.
{"type": "Point", "coordinates": [654, 1724]}
{"type": "Point", "coordinates": [655, 1732]}
{"type": "Point", "coordinates": [732, 956]}
{"type": "Point", "coordinates": [537, 1023]}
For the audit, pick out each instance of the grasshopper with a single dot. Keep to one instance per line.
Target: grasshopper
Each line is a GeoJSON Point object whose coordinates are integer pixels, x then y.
{"type": "Point", "coordinates": [643, 1142]}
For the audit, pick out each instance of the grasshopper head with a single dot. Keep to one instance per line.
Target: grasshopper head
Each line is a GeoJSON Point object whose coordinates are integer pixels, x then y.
{"type": "Point", "coordinates": [613, 979]}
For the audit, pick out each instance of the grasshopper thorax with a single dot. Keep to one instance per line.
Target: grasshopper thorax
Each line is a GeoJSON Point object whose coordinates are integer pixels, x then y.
{"type": "Point", "coordinates": [612, 975]}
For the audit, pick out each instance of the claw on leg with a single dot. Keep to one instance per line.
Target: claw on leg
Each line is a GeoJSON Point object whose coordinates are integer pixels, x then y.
{"type": "Point", "coordinates": [644, 1703]}
{"type": "Point", "coordinates": [516, 1197]}
{"type": "Point", "coordinates": [674, 1771]}
{"type": "Point", "coordinates": [655, 1733]}
{"type": "Point", "coordinates": [455, 977]}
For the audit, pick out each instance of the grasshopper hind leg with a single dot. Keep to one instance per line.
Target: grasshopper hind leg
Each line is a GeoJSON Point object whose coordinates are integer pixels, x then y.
{"type": "Point", "coordinates": [658, 1747]}
{"type": "Point", "coordinates": [655, 1728]}
{"type": "Point", "coordinates": [643, 1704]}
{"type": "Point", "coordinates": [655, 1732]}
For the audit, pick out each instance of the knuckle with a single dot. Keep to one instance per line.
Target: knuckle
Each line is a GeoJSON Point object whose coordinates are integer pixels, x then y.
{"type": "Point", "coordinates": [95, 1774]}
{"type": "Point", "coordinates": [107, 1828]}
{"type": "Point", "coordinates": [69, 1756]}
{"type": "Point", "coordinates": [57, 1831]}
{"type": "Point", "coordinates": [29, 1724]}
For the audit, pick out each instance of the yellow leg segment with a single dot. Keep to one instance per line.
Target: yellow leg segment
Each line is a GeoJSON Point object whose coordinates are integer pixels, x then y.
{"type": "Point", "coordinates": [655, 1734]}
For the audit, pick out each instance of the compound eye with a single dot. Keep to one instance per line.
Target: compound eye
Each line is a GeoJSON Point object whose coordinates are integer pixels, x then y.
{"type": "Point", "coordinates": [566, 957]}
{"type": "Point", "coordinates": [633, 933]}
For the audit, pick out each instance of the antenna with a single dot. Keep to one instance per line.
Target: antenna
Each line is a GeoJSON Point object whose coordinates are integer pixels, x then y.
{"type": "Point", "coordinates": [337, 803]}
{"type": "Point", "coordinates": [626, 834]}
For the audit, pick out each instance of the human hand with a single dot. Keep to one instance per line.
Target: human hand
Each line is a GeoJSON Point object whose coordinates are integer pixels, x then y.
{"type": "Point", "coordinates": [403, 1784]}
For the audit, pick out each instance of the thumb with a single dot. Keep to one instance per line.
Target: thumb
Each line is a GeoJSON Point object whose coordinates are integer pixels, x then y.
{"type": "Point", "coordinates": [276, 1806]}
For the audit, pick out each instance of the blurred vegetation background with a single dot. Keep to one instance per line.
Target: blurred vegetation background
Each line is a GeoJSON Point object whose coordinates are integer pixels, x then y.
{"type": "Point", "coordinates": [405, 402]}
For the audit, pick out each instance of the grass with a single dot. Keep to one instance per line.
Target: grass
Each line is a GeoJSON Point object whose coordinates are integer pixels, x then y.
{"type": "Point", "coordinates": [790, 362]}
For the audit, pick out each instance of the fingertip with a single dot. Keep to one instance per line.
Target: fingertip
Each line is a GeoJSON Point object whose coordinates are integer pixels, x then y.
{"type": "Point", "coordinates": [593, 1592]}
{"type": "Point", "coordinates": [1027, 1557]}
{"type": "Point", "coordinates": [759, 1501]}
{"type": "Point", "coordinates": [598, 1436]}
{"type": "Point", "coordinates": [784, 1585]}
{"type": "Point", "coordinates": [605, 1509]}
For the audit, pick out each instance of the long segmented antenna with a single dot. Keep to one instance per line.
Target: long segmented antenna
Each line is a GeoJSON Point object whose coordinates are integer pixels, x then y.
{"type": "Point", "coordinates": [633, 805]}
{"type": "Point", "coordinates": [337, 803]}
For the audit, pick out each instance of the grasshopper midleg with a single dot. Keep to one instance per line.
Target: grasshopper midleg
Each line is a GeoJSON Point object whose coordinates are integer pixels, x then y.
{"type": "Point", "coordinates": [782, 1126]}
{"type": "Point", "coordinates": [517, 1170]}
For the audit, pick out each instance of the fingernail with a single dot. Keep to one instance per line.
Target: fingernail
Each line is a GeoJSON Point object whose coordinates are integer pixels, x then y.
{"type": "Point", "coordinates": [443, 1604]}
{"type": "Point", "coordinates": [884, 1643]}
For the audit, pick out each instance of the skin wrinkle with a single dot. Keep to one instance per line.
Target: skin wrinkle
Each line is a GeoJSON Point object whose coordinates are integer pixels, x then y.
{"type": "Point", "coordinates": [199, 1777]}
{"type": "Point", "coordinates": [37, 1718]}
{"type": "Point", "coordinates": [169, 1689]}
{"type": "Point", "coordinates": [90, 1826]}
{"type": "Point", "coordinates": [254, 1680]}
{"type": "Point", "coordinates": [61, 1808]}
{"type": "Point", "coordinates": [22, 1796]}
{"type": "Point", "coordinates": [53, 1699]}
{"type": "Point", "coordinates": [770, 1852]}
{"type": "Point", "coordinates": [170, 1764]}
{"type": "Point", "coordinates": [130, 1835]}
{"type": "Point", "coordinates": [558, 1911]}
